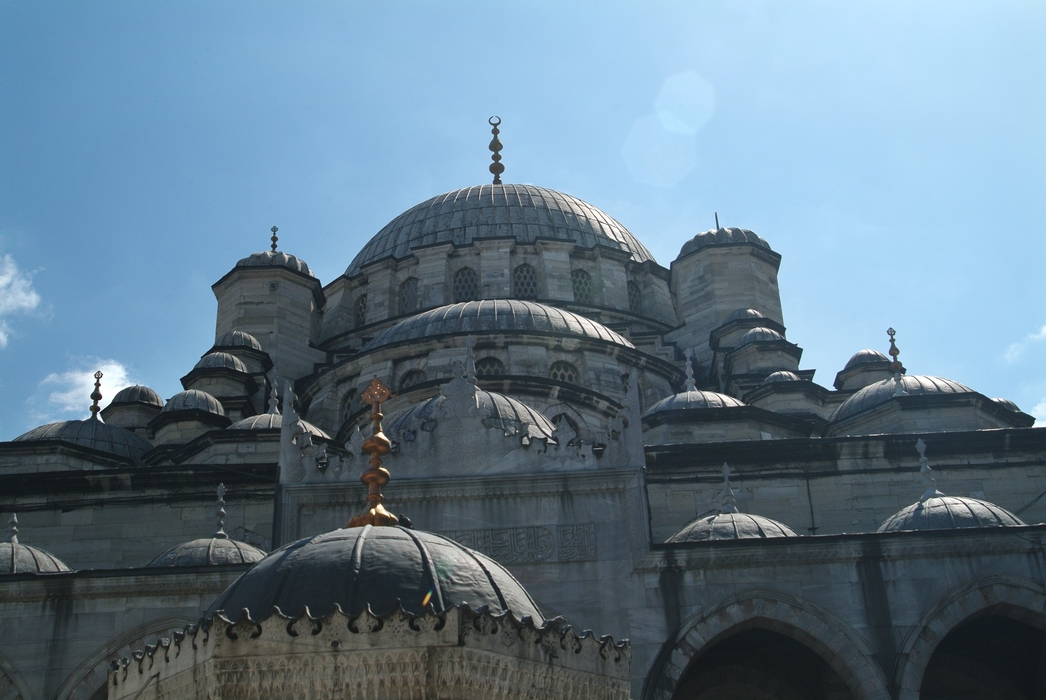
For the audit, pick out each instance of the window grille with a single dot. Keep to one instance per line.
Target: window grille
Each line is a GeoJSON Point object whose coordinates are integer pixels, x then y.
{"type": "Point", "coordinates": [563, 372]}
{"type": "Point", "coordinates": [466, 285]}
{"type": "Point", "coordinates": [409, 295]}
{"type": "Point", "coordinates": [412, 378]}
{"type": "Point", "coordinates": [361, 310]}
{"type": "Point", "coordinates": [525, 282]}
{"type": "Point", "coordinates": [489, 367]}
{"type": "Point", "coordinates": [635, 298]}
{"type": "Point", "coordinates": [582, 284]}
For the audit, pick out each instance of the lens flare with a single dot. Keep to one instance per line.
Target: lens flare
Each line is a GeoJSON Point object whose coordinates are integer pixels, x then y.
{"type": "Point", "coordinates": [427, 598]}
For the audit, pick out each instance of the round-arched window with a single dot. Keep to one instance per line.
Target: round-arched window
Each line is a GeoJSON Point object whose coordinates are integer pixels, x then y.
{"type": "Point", "coordinates": [489, 367]}
{"type": "Point", "coordinates": [635, 298]}
{"type": "Point", "coordinates": [408, 295]}
{"type": "Point", "coordinates": [361, 311]}
{"type": "Point", "coordinates": [411, 378]}
{"type": "Point", "coordinates": [581, 281]}
{"type": "Point", "coordinates": [564, 372]}
{"type": "Point", "coordinates": [466, 285]}
{"type": "Point", "coordinates": [524, 282]}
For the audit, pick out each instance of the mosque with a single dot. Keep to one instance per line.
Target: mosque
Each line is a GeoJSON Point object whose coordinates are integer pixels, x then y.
{"type": "Point", "coordinates": [509, 454]}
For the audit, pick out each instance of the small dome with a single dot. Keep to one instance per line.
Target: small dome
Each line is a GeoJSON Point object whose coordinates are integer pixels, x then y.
{"type": "Point", "coordinates": [881, 392]}
{"type": "Point", "coordinates": [692, 400]}
{"type": "Point", "coordinates": [497, 316]}
{"type": "Point", "coordinates": [782, 375]}
{"type": "Point", "coordinates": [742, 314]}
{"type": "Point", "coordinates": [949, 513]}
{"type": "Point", "coordinates": [731, 526]}
{"type": "Point", "coordinates": [376, 566]}
{"type": "Point", "coordinates": [93, 434]}
{"type": "Point", "coordinates": [194, 400]}
{"type": "Point", "coordinates": [864, 357]}
{"type": "Point", "coordinates": [504, 412]}
{"type": "Point", "coordinates": [759, 335]}
{"type": "Point", "coordinates": [722, 236]}
{"type": "Point", "coordinates": [269, 421]}
{"type": "Point", "coordinates": [137, 394]}
{"type": "Point", "coordinates": [237, 339]}
{"type": "Point", "coordinates": [1006, 403]}
{"type": "Point", "coordinates": [268, 258]}
{"type": "Point", "coordinates": [221, 360]}
{"type": "Point", "coordinates": [209, 551]}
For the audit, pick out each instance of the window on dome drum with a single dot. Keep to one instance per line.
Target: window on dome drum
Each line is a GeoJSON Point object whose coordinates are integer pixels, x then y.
{"type": "Point", "coordinates": [361, 310]}
{"type": "Point", "coordinates": [466, 285]}
{"type": "Point", "coordinates": [563, 372]}
{"type": "Point", "coordinates": [489, 367]}
{"type": "Point", "coordinates": [635, 298]}
{"type": "Point", "coordinates": [581, 281]}
{"type": "Point", "coordinates": [525, 282]}
{"type": "Point", "coordinates": [409, 295]}
{"type": "Point", "coordinates": [412, 378]}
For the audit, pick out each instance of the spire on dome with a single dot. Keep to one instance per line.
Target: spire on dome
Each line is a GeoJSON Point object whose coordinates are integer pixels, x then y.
{"type": "Point", "coordinates": [496, 168]}
{"type": "Point", "coordinates": [929, 483]}
{"type": "Point", "coordinates": [375, 476]}
{"type": "Point", "coordinates": [96, 395]}
{"type": "Point", "coordinates": [896, 366]}
{"type": "Point", "coordinates": [274, 401]}
{"type": "Point", "coordinates": [220, 513]}
{"type": "Point", "coordinates": [470, 360]}
{"type": "Point", "coordinates": [690, 384]}
{"type": "Point", "coordinates": [729, 503]}
{"type": "Point", "coordinates": [274, 238]}
{"type": "Point", "coordinates": [12, 529]}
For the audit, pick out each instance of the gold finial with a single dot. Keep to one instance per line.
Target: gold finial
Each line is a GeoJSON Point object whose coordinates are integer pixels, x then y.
{"type": "Point", "coordinates": [274, 238]}
{"type": "Point", "coordinates": [96, 395]}
{"type": "Point", "coordinates": [375, 476]}
{"type": "Point", "coordinates": [496, 168]}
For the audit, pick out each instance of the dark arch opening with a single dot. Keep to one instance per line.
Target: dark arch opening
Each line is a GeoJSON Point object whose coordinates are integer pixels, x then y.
{"type": "Point", "coordinates": [760, 664]}
{"type": "Point", "coordinates": [989, 657]}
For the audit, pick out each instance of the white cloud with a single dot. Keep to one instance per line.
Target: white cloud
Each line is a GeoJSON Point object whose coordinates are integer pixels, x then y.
{"type": "Point", "coordinates": [1017, 349]}
{"type": "Point", "coordinates": [1040, 412]}
{"type": "Point", "coordinates": [16, 294]}
{"type": "Point", "coordinates": [71, 391]}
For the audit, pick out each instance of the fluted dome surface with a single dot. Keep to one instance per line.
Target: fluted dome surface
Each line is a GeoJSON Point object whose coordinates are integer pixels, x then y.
{"type": "Point", "coordinates": [522, 212]}
{"type": "Point", "coordinates": [759, 335]}
{"type": "Point", "coordinates": [781, 375]}
{"type": "Point", "coordinates": [93, 434]}
{"type": "Point", "coordinates": [209, 551]}
{"type": "Point", "coordinates": [880, 392]}
{"type": "Point", "coordinates": [722, 236]}
{"type": "Point", "coordinates": [866, 356]}
{"type": "Point", "coordinates": [194, 400]}
{"type": "Point", "coordinates": [504, 412]}
{"type": "Point", "coordinates": [137, 394]}
{"type": "Point", "coordinates": [1006, 403]}
{"type": "Point", "coordinates": [949, 513]}
{"type": "Point", "coordinates": [237, 339]}
{"type": "Point", "coordinates": [742, 314]}
{"type": "Point", "coordinates": [18, 558]}
{"type": "Point", "coordinates": [268, 258]}
{"type": "Point", "coordinates": [731, 526]}
{"type": "Point", "coordinates": [692, 400]}
{"type": "Point", "coordinates": [495, 315]}
{"type": "Point", "coordinates": [267, 421]}
{"type": "Point", "coordinates": [375, 566]}
{"type": "Point", "coordinates": [221, 360]}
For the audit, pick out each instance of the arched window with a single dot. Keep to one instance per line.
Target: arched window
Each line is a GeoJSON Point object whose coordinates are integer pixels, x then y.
{"type": "Point", "coordinates": [409, 295]}
{"type": "Point", "coordinates": [466, 285]}
{"type": "Point", "coordinates": [563, 372]}
{"type": "Point", "coordinates": [635, 298]}
{"type": "Point", "coordinates": [489, 367]}
{"type": "Point", "coordinates": [412, 378]}
{"type": "Point", "coordinates": [581, 281]}
{"type": "Point", "coordinates": [524, 282]}
{"type": "Point", "coordinates": [361, 310]}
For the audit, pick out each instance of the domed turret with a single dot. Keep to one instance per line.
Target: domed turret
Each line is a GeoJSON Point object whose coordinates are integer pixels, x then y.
{"type": "Point", "coordinates": [225, 377]}
{"type": "Point", "coordinates": [187, 415]}
{"type": "Point", "coordinates": [17, 558]}
{"type": "Point", "coordinates": [781, 376]}
{"type": "Point", "coordinates": [216, 550]}
{"type": "Point", "coordinates": [235, 340]}
{"type": "Point", "coordinates": [863, 368]}
{"type": "Point", "coordinates": [725, 523]}
{"type": "Point", "coordinates": [272, 258]}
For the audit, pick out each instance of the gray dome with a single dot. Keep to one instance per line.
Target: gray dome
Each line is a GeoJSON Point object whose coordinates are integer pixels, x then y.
{"type": "Point", "coordinates": [375, 566]}
{"type": "Point", "coordinates": [18, 558]}
{"type": "Point", "coordinates": [1006, 403]}
{"type": "Point", "coordinates": [881, 392]}
{"type": "Point", "coordinates": [93, 434]}
{"type": "Point", "coordinates": [221, 360]}
{"type": "Point", "coordinates": [722, 236]}
{"type": "Point", "coordinates": [237, 339]}
{"type": "Point", "coordinates": [863, 357]}
{"type": "Point", "coordinates": [742, 314]}
{"type": "Point", "coordinates": [497, 316]}
{"type": "Point", "coordinates": [269, 421]}
{"type": "Point", "coordinates": [781, 375]}
{"type": "Point", "coordinates": [759, 335]}
{"type": "Point", "coordinates": [209, 551]}
{"type": "Point", "coordinates": [692, 400]}
{"type": "Point", "coordinates": [522, 212]}
{"type": "Point", "coordinates": [268, 258]}
{"type": "Point", "coordinates": [137, 394]}
{"type": "Point", "coordinates": [504, 412]}
{"type": "Point", "coordinates": [194, 400]}
{"type": "Point", "coordinates": [731, 526]}
{"type": "Point", "coordinates": [949, 513]}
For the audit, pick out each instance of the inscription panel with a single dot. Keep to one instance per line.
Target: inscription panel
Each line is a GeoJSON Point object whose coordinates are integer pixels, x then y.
{"type": "Point", "coordinates": [531, 545]}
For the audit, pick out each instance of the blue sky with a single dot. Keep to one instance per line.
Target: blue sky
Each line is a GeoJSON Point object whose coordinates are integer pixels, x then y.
{"type": "Point", "coordinates": [894, 153]}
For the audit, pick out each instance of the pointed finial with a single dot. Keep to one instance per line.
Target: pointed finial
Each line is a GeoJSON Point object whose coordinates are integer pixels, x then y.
{"type": "Point", "coordinates": [729, 503]}
{"type": "Point", "coordinates": [690, 384]}
{"type": "Point", "coordinates": [96, 395]}
{"type": "Point", "coordinates": [220, 514]}
{"type": "Point", "coordinates": [496, 168]}
{"type": "Point", "coordinates": [274, 238]}
{"type": "Point", "coordinates": [896, 366]}
{"type": "Point", "coordinates": [12, 529]}
{"type": "Point", "coordinates": [717, 221]}
{"type": "Point", "coordinates": [470, 360]}
{"type": "Point", "coordinates": [929, 483]}
{"type": "Point", "coordinates": [375, 476]}
{"type": "Point", "coordinates": [274, 401]}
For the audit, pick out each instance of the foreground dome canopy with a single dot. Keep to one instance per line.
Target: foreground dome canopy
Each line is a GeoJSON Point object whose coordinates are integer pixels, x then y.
{"type": "Point", "coordinates": [523, 212]}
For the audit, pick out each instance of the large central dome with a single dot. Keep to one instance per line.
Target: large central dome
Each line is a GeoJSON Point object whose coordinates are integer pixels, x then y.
{"type": "Point", "coordinates": [522, 212]}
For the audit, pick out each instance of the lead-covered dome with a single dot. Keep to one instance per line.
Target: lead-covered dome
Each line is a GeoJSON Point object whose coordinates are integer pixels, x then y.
{"type": "Point", "coordinates": [194, 400]}
{"type": "Point", "coordinates": [759, 335]}
{"type": "Point", "coordinates": [721, 236]}
{"type": "Point", "coordinates": [498, 410]}
{"type": "Point", "coordinates": [498, 316]}
{"type": "Point", "coordinates": [882, 391]}
{"type": "Point", "coordinates": [17, 558]}
{"type": "Point", "coordinates": [137, 394]}
{"type": "Point", "coordinates": [268, 258]}
{"type": "Point", "coordinates": [522, 212]}
{"type": "Point", "coordinates": [270, 421]}
{"type": "Point", "coordinates": [949, 513]}
{"type": "Point", "coordinates": [716, 526]}
{"type": "Point", "coordinates": [865, 357]}
{"type": "Point", "coordinates": [209, 551]}
{"type": "Point", "coordinates": [221, 360]}
{"type": "Point", "coordinates": [92, 434]}
{"type": "Point", "coordinates": [693, 400]}
{"type": "Point", "coordinates": [378, 567]}
{"type": "Point", "coordinates": [236, 339]}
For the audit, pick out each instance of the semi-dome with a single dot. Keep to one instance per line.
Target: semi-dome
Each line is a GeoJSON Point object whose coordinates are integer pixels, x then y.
{"type": "Point", "coordinates": [268, 258]}
{"type": "Point", "coordinates": [693, 400]}
{"type": "Point", "coordinates": [93, 434]}
{"type": "Point", "coordinates": [137, 394]}
{"type": "Point", "coordinates": [864, 357]}
{"type": "Point", "coordinates": [221, 360]}
{"type": "Point", "coordinates": [380, 567]}
{"type": "Point", "coordinates": [209, 551]}
{"type": "Point", "coordinates": [740, 314]}
{"type": "Point", "coordinates": [759, 335]}
{"type": "Point", "coordinates": [237, 339]}
{"type": "Point", "coordinates": [497, 316]}
{"type": "Point", "coordinates": [949, 513]}
{"type": "Point", "coordinates": [721, 236]}
{"type": "Point", "coordinates": [498, 410]}
{"type": "Point", "coordinates": [267, 421]}
{"type": "Point", "coordinates": [194, 400]}
{"type": "Point", "coordinates": [882, 391]}
{"type": "Point", "coordinates": [781, 375]}
{"type": "Point", "coordinates": [716, 526]}
{"type": "Point", "coordinates": [522, 212]}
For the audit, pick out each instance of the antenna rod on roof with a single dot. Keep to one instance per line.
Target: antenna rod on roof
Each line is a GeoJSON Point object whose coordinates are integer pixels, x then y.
{"type": "Point", "coordinates": [717, 221]}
